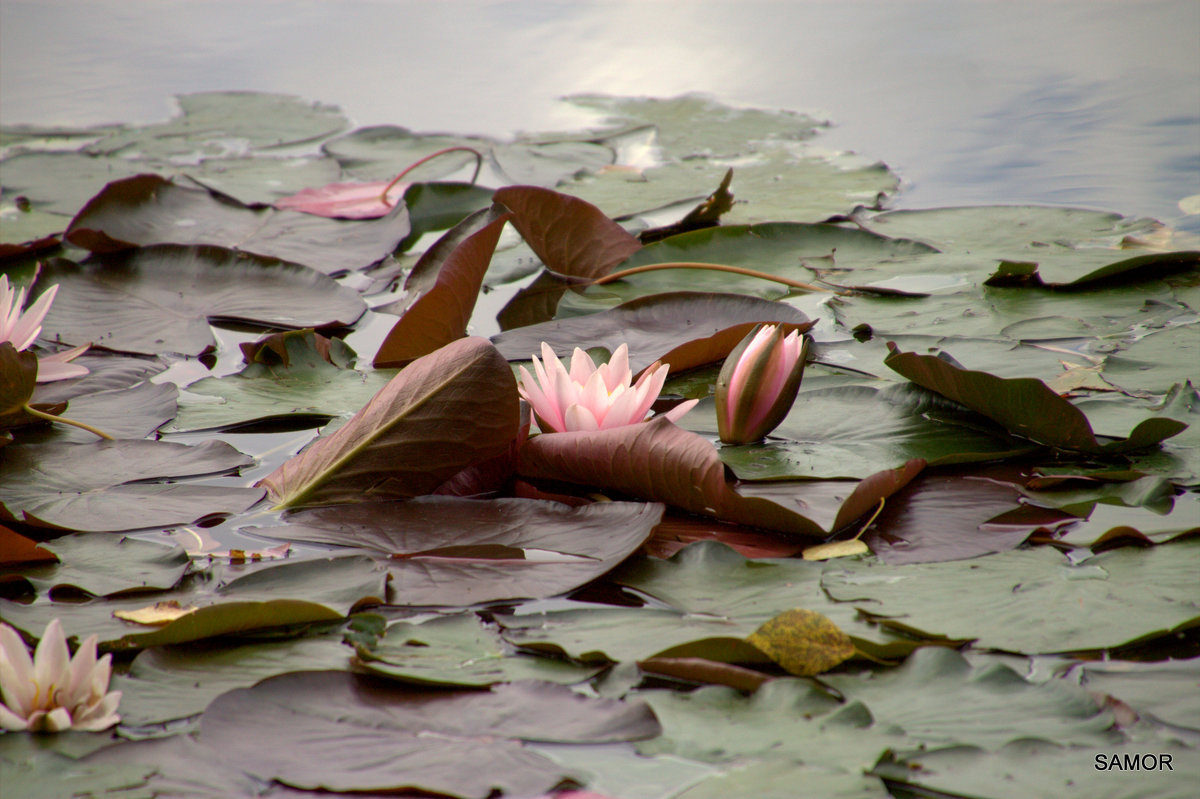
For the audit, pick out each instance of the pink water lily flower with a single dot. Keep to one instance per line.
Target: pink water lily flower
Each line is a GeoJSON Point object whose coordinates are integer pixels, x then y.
{"type": "Point", "coordinates": [53, 691]}
{"type": "Point", "coordinates": [758, 383]}
{"type": "Point", "coordinates": [21, 329]}
{"type": "Point", "coordinates": [587, 397]}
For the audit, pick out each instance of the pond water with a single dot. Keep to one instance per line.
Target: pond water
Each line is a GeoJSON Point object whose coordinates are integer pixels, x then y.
{"type": "Point", "coordinates": [1093, 104]}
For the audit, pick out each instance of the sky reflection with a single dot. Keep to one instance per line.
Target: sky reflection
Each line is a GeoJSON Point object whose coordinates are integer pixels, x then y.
{"type": "Point", "coordinates": [1084, 103]}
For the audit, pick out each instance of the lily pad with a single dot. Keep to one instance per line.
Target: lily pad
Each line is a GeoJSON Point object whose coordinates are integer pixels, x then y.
{"type": "Point", "coordinates": [454, 552]}
{"type": "Point", "coordinates": [308, 389]}
{"type": "Point", "coordinates": [107, 485]}
{"type": "Point", "coordinates": [345, 732]}
{"type": "Point", "coordinates": [209, 121]}
{"type": "Point", "coordinates": [101, 565]}
{"type": "Point", "coordinates": [459, 651]}
{"type": "Point", "coordinates": [147, 209]}
{"type": "Point", "coordinates": [160, 299]}
{"type": "Point", "coordinates": [1139, 595]}
{"type": "Point", "coordinates": [122, 413]}
{"type": "Point", "coordinates": [1024, 406]}
{"type": "Point", "coordinates": [177, 682]}
{"type": "Point", "coordinates": [852, 431]}
{"type": "Point", "coordinates": [712, 581]}
{"type": "Point", "coordinates": [683, 329]}
{"type": "Point", "coordinates": [220, 602]}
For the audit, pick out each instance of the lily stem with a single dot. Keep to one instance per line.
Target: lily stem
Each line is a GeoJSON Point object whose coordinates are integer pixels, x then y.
{"type": "Point", "coordinates": [478, 165]}
{"type": "Point", "coordinates": [874, 516]}
{"type": "Point", "coordinates": [737, 270]}
{"type": "Point", "coordinates": [49, 417]}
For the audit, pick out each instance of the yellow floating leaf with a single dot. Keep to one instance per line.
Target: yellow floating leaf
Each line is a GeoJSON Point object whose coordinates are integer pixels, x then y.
{"type": "Point", "coordinates": [803, 642]}
{"type": "Point", "coordinates": [155, 615]}
{"type": "Point", "coordinates": [836, 549]}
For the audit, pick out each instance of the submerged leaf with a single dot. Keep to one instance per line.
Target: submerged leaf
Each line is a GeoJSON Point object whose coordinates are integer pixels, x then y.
{"type": "Point", "coordinates": [446, 411]}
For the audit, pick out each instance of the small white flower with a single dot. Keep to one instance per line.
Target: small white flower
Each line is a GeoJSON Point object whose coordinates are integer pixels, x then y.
{"type": "Point", "coordinates": [53, 691]}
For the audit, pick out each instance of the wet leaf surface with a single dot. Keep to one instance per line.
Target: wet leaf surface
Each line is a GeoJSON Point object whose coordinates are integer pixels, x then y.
{"type": "Point", "coordinates": [147, 209]}
{"type": "Point", "coordinates": [454, 552]}
{"type": "Point", "coordinates": [160, 299]}
{"type": "Point", "coordinates": [108, 485]}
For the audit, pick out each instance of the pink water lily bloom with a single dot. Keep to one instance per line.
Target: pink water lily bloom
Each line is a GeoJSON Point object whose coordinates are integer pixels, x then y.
{"type": "Point", "coordinates": [758, 383]}
{"type": "Point", "coordinates": [21, 329]}
{"type": "Point", "coordinates": [587, 397]}
{"type": "Point", "coordinates": [53, 691]}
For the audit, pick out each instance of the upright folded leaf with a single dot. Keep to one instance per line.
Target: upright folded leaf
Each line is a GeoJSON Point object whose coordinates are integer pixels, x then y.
{"type": "Point", "coordinates": [441, 310]}
{"type": "Point", "coordinates": [446, 411]}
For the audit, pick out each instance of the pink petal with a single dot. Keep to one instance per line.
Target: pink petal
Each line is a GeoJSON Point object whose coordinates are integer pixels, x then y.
{"type": "Point", "coordinates": [624, 409]}
{"type": "Point", "coordinates": [55, 367]}
{"type": "Point", "coordinates": [12, 721]}
{"type": "Point", "coordinates": [542, 406]}
{"type": "Point", "coordinates": [347, 200]}
{"type": "Point", "coordinates": [616, 371]}
{"type": "Point", "coordinates": [22, 329]}
{"type": "Point", "coordinates": [102, 715]}
{"type": "Point", "coordinates": [580, 419]}
{"type": "Point", "coordinates": [676, 413]}
{"type": "Point", "coordinates": [16, 672]}
{"type": "Point", "coordinates": [582, 366]}
{"type": "Point", "coordinates": [51, 660]}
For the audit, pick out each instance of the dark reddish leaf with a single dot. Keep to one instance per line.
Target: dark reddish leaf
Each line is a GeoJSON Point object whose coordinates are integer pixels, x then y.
{"type": "Point", "coordinates": [677, 530]}
{"type": "Point", "coordinates": [658, 461]}
{"type": "Point", "coordinates": [440, 312]}
{"type": "Point", "coordinates": [570, 236]}
{"type": "Point", "coordinates": [16, 549]}
{"type": "Point", "coordinates": [1023, 405]}
{"type": "Point", "coordinates": [684, 329]}
{"type": "Point", "coordinates": [18, 377]}
{"type": "Point", "coordinates": [446, 411]}
{"type": "Point", "coordinates": [943, 516]}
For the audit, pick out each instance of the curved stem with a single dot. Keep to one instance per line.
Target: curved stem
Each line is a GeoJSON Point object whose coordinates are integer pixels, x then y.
{"type": "Point", "coordinates": [478, 165]}
{"type": "Point", "coordinates": [49, 417]}
{"type": "Point", "coordinates": [737, 270]}
{"type": "Point", "coordinates": [874, 516]}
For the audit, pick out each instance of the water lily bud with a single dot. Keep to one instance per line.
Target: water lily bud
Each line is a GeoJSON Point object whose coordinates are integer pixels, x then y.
{"type": "Point", "coordinates": [758, 383]}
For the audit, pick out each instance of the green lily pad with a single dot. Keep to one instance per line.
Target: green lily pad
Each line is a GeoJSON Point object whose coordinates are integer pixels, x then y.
{"type": "Point", "coordinates": [309, 389]}
{"type": "Point", "coordinates": [1162, 691]}
{"type": "Point", "coordinates": [280, 596]}
{"type": "Point", "coordinates": [147, 209]}
{"type": "Point", "coordinates": [1103, 602]}
{"type": "Point", "coordinates": [714, 581]}
{"type": "Point", "coordinates": [123, 413]}
{"type": "Point", "coordinates": [210, 121]}
{"type": "Point", "coordinates": [787, 249]}
{"type": "Point", "coordinates": [622, 635]}
{"type": "Point", "coordinates": [776, 176]}
{"type": "Point", "coordinates": [107, 485]}
{"type": "Point", "coordinates": [101, 565]}
{"type": "Point", "coordinates": [854, 431]}
{"type": "Point", "coordinates": [177, 682]}
{"type": "Point", "coordinates": [1024, 406]}
{"type": "Point", "coordinates": [459, 651]}
{"type": "Point", "coordinates": [937, 698]}
{"type": "Point", "coordinates": [160, 299]}
{"type": "Point", "coordinates": [1044, 770]}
